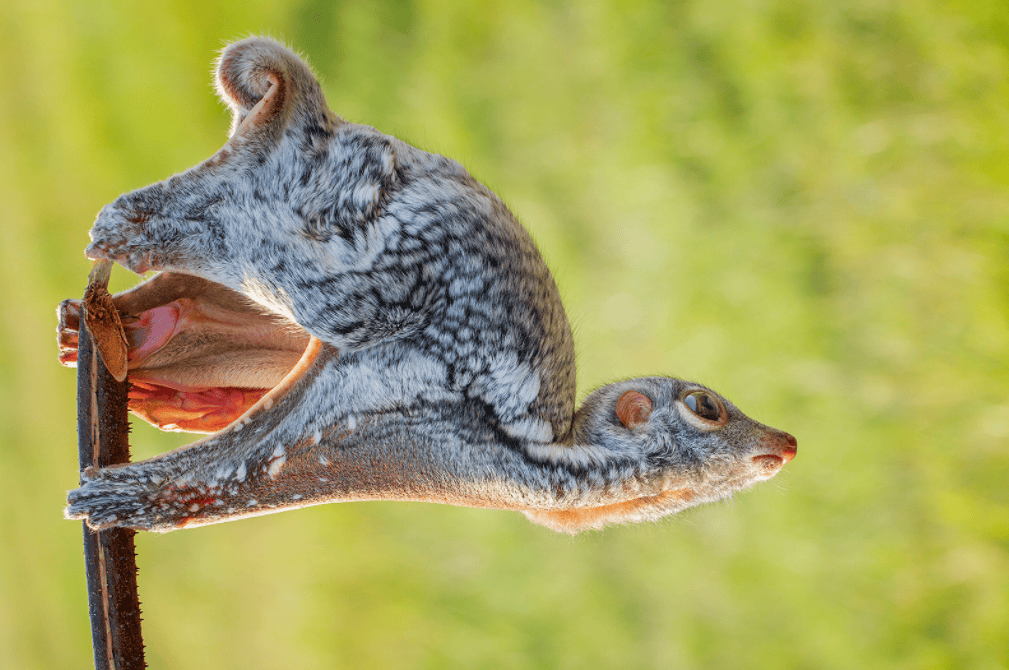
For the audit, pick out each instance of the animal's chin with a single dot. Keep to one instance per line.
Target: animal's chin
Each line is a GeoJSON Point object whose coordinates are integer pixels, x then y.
{"type": "Point", "coordinates": [767, 465]}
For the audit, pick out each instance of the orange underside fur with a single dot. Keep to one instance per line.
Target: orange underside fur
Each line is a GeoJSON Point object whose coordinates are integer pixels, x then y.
{"type": "Point", "coordinates": [574, 520]}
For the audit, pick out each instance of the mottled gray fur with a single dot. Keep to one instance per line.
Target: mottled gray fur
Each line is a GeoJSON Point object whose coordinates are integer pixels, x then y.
{"type": "Point", "coordinates": [446, 366]}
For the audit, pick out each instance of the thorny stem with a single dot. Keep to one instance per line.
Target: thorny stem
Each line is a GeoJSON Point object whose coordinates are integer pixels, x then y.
{"type": "Point", "coordinates": [102, 440]}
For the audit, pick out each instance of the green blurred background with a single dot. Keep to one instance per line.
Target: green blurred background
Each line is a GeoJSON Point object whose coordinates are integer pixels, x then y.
{"type": "Point", "coordinates": [803, 204]}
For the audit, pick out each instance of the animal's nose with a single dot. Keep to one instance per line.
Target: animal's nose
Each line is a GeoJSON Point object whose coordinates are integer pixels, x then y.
{"type": "Point", "coordinates": [788, 450]}
{"type": "Point", "coordinates": [778, 448]}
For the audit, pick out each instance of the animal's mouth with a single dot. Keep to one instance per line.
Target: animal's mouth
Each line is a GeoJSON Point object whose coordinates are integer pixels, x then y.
{"type": "Point", "coordinates": [777, 449]}
{"type": "Point", "coordinates": [199, 362]}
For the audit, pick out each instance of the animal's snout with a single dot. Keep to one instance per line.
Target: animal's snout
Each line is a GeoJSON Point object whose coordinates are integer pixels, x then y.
{"type": "Point", "coordinates": [788, 452]}
{"type": "Point", "coordinates": [778, 448]}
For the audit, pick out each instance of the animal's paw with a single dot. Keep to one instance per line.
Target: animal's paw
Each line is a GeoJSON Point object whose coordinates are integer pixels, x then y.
{"type": "Point", "coordinates": [120, 234]}
{"type": "Point", "coordinates": [132, 257]}
{"type": "Point", "coordinates": [117, 496]}
{"type": "Point", "coordinates": [69, 316]}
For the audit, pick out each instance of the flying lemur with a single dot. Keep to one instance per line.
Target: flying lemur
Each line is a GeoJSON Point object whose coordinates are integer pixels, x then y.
{"type": "Point", "coordinates": [353, 318]}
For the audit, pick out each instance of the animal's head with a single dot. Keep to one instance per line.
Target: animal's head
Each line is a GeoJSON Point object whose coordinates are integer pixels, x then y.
{"type": "Point", "coordinates": [680, 441]}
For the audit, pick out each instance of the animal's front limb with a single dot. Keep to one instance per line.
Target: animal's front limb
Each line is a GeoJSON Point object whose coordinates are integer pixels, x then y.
{"type": "Point", "coordinates": [233, 473]}
{"type": "Point", "coordinates": [296, 447]}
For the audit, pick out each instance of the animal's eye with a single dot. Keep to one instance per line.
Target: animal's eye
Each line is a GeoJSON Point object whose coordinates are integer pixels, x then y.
{"type": "Point", "coordinates": [704, 405]}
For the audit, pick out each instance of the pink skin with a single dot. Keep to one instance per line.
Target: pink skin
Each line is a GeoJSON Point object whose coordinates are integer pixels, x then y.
{"type": "Point", "coordinates": [167, 404]}
{"type": "Point", "coordinates": [149, 331]}
{"type": "Point", "coordinates": [154, 395]}
{"type": "Point", "coordinates": [190, 410]}
{"type": "Point", "coordinates": [182, 379]}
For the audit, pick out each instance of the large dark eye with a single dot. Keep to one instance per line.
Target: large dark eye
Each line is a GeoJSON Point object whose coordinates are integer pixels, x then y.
{"type": "Point", "coordinates": [704, 405]}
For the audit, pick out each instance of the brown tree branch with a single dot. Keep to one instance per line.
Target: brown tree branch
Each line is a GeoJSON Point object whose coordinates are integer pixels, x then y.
{"type": "Point", "coordinates": [103, 440]}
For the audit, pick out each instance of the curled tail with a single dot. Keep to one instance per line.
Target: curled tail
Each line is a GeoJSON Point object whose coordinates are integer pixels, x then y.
{"type": "Point", "coordinates": [247, 69]}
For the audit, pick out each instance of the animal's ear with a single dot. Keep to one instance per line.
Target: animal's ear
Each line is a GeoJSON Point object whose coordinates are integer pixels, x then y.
{"type": "Point", "coordinates": [633, 409]}
{"type": "Point", "coordinates": [264, 83]}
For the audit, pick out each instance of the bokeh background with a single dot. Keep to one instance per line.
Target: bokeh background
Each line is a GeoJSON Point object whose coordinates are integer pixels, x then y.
{"type": "Point", "coordinates": [803, 204]}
